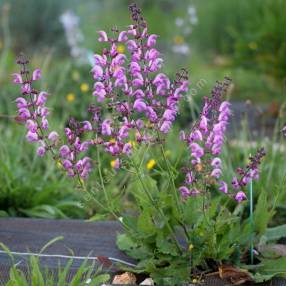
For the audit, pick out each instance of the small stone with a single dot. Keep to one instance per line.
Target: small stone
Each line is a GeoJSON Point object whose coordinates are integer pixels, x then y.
{"type": "Point", "coordinates": [147, 282]}
{"type": "Point", "coordinates": [125, 278]}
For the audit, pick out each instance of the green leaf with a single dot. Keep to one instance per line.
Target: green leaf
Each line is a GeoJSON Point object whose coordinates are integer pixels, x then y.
{"type": "Point", "coordinates": [275, 233]}
{"type": "Point", "coordinates": [165, 246]}
{"type": "Point", "coordinates": [99, 279]}
{"type": "Point", "coordinates": [273, 266]}
{"type": "Point", "coordinates": [145, 223]}
{"type": "Point", "coordinates": [262, 214]}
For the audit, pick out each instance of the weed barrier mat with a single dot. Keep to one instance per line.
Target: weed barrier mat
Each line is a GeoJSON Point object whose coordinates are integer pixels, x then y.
{"type": "Point", "coordinates": [81, 239]}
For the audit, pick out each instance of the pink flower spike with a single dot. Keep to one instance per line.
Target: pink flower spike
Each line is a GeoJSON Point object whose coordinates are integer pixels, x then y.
{"type": "Point", "coordinates": [37, 74]}
{"type": "Point", "coordinates": [102, 36]}
{"type": "Point", "coordinates": [17, 78]}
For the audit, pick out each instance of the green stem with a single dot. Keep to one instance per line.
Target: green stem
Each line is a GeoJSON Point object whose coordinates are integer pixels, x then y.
{"type": "Point", "coordinates": [251, 222]}
{"type": "Point", "coordinates": [101, 177]}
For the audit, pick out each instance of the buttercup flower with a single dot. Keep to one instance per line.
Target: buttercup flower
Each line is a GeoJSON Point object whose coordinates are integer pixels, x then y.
{"type": "Point", "coordinates": [151, 164]}
{"type": "Point", "coordinates": [70, 97]}
{"type": "Point", "coordinates": [84, 87]}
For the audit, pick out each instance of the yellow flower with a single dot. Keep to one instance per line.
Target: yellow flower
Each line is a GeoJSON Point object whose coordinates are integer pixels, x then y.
{"type": "Point", "coordinates": [195, 280]}
{"type": "Point", "coordinates": [179, 40]}
{"type": "Point", "coordinates": [84, 87]}
{"type": "Point", "coordinates": [75, 75]}
{"type": "Point", "coordinates": [112, 140]}
{"type": "Point", "coordinates": [115, 164]}
{"type": "Point", "coordinates": [150, 164]}
{"type": "Point", "coordinates": [191, 247]}
{"type": "Point", "coordinates": [167, 153]}
{"type": "Point", "coordinates": [120, 49]}
{"type": "Point", "coordinates": [253, 45]}
{"type": "Point", "coordinates": [70, 97]}
{"type": "Point", "coordinates": [132, 143]}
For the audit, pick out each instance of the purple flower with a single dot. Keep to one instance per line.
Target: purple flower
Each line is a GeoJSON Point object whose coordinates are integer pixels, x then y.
{"type": "Point", "coordinates": [151, 41]}
{"type": "Point", "coordinates": [240, 196]}
{"type": "Point", "coordinates": [97, 72]}
{"type": "Point", "coordinates": [17, 78]}
{"type": "Point", "coordinates": [216, 173]}
{"type": "Point", "coordinates": [42, 98]}
{"type": "Point", "coordinates": [37, 74]}
{"type": "Point", "coordinates": [99, 91]}
{"type": "Point", "coordinates": [196, 150]}
{"type": "Point", "coordinates": [21, 102]}
{"type": "Point", "coordinates": [223, 187]}
{"type": "Point", "coordinates": [87, 126]}
{"type": "Point", "coordinates": [204, 124]}
{"type": "Point", "coordinates": [139, 105]}
{"type": "Point", "coordinates": [64, 151]}
{"type": "Point", "coordinates": [284, 130]}
{"type": "Point", "coordinates": [53, 136]}
{"type": "Point", "coordinates": [216, 162]}
{"type": "Point", "coordinates": [32, 137]}
{"type": "Point", "coordinates": [165, 127]}
{"type": "Point", "coordinates": [106, 128]}
{"type": "Point", "coordinates": [102, 36]}
{"type": "Point", "coordinates": [31, 125]}
{"type": "Point", "coordinates": [67, 164]}
{"type": "Point", "coordinates": [122, 36]}
{"type": "Point", "coordinates": [41, 151]}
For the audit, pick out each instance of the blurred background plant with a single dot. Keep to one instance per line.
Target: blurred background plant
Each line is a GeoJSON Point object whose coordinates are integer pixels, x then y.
{"type": "Point", "coordinates": [245, 40]}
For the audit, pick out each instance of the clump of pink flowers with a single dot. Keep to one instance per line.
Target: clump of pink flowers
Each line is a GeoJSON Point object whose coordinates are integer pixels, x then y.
{"type": "Point", "coordinates": [250, 172]}
{"type": "Point", "coordinates": [143, 101]}
{"type": "Point", "coordinates": [32, 110]}
{"type": "Point", "coordinates": [205, 142]}
{"type": "Point", "coordinates": [136, 102]}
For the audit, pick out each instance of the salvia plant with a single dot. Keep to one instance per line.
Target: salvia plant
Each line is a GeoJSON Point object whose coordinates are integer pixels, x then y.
{"type": "Point", "coordinates": [179, 228]}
